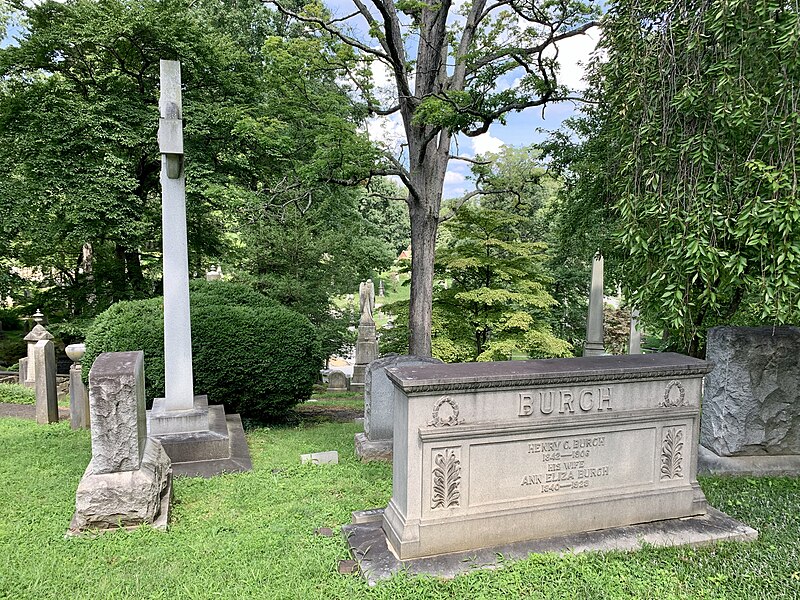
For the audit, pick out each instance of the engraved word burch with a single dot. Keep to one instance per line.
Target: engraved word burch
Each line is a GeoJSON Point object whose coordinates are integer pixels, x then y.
{"type": "Point", "coordinates": [486, 454]}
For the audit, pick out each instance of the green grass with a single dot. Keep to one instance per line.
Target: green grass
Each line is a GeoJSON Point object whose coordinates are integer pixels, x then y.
{"type": "Point", "coordinates": [13, 393]}
{"type": "Point", "coordinates": [251, 535]}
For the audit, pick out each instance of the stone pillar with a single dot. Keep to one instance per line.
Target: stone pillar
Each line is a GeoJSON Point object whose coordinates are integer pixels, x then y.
{"type": "Point", "coordinates": [127, 482]}
{"type": "Point", "coordinates": [179, 411]}
{"type": "Point", "coordinates": [35, 335]}
{"type": "Point", "coordinates": [44, 357]}
{"type": "Point", "coordinates": [367, 344]}
{"type": "Point", "coordinates": [78, 396]}
{"type": "Point", "coordinates": [381, 290]}
{"type": "Point", "coordinates": [594, 322]}
{"type": "Point", "coordinates": [635, 342]}
{"type": "Point", "coordinates": [23, 370]}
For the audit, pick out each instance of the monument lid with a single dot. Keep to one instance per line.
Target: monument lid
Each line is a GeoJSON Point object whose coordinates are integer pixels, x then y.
{"type": "Point", "coordinates": [427, 378]}
{"type": "Point", "coordinates": [38, 333]}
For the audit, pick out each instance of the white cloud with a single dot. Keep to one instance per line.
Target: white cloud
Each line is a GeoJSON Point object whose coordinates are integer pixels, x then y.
{"type": "Point", "coordinates": [451, 177]}
{"type": "Point", "coordinates": [573, 55]}
{"type": "Point", "coordinates": [486, 142]}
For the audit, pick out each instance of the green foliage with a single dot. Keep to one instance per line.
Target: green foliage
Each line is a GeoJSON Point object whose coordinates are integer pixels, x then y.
{"type": "Point", "coordinates": [255, 357]}
{"type": "Point", "coordinates": [250, 535]}
{"type": "Point", "coordinates": [12, 393]}
{"type": "Point", "coordinates": [497, 301]}
{"type": "Point", "coordinates": [700, 112]}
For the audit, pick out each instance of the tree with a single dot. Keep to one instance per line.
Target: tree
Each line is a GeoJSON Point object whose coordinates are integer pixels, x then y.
{"type": "Point", "coordinates": [699, 109]}
{"type": "Point", "coordinates": [497, 294]}
{"type": "Point", "coordinates": [446, 86]}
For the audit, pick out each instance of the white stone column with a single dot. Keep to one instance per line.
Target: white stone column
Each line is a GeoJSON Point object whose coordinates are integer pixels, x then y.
{"type": "Point", "coordinates": [178, 376]}
{"type": "Point", "coordinates": [635, 342]}
{"type": "Point", "coordinates": [594, 322]}
{"type": "Point", "coordinates": [78, 396]}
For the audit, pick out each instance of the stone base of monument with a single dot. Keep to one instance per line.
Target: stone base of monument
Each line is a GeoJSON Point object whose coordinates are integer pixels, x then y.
{"type": "Point", "coordinates": [367, 543]}
{"type": "Point", "coordinates": [124, 499]}
{"type": "Point", "coordinates": [367, 450]}
{"type": "Point", "coordinates": [765, 465]}
{"type": "Point", "coordinates": [221, 448]}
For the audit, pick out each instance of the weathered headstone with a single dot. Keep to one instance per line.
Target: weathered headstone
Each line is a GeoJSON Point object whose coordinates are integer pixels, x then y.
{"type": "Point", "coordinates": [128, 481]}
{"type": "Point", "coordinates": [635, 341]}
{"type": "Point", "coordinates": [367, 343]}
{"type": "Point", "coordinates": [44, 361]}
{"type": "Point", "coordinates": [751, 413]}
{"type": "Point", "coordinates": [214, 274]}
{"type": "Point", "coordinates": [337, 381]}
{"type": "Point", "coordinates": [381, 290]}
{"type": "Point", "coordinates": [200, 440]}
{"type": "Point", "coordinates": [376, 441]}
{"type": "Point", "coordinates": [23, 371]}
{"type": "Point", "coordinates": [594, 322]}
{"type": "Point", "coordinates": [35, 335]}
{"type": "Point", "coordinates": [495, 455]}
{"type": "Point", "coordinates": [78, 395]}
{"type": "Point", "coordinates": [329, 457]}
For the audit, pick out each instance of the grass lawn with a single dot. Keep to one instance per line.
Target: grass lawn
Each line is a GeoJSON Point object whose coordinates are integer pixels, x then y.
{"type": "Point", "coordinates": [252, 535]}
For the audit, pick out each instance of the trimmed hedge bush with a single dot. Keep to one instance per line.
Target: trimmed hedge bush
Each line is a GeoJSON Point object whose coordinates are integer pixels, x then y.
{"type": "Point", "coordinates": [256, 357]}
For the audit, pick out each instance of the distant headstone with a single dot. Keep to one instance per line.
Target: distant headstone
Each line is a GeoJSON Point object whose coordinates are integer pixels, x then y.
{"type": "Point", "coordinates": [44, 359]}
{"type": "Point", "coordinates": [23, 371]}
{"type": "Point", "coordinates": [367, 343]}
{"type": "Point", "coordinates": [751, 413]}
{"type": "Point", "coordinates": [337, 381]}
{"type": "Point", "coordinates": [128, 481]}
{"type": "Point", "coordinates": [635, 341]}
{"type": "Point", "coordinates": [78, 395]}
{"type": "Point", "coordinates": [594, 321]}
{"type": "Point", "coordinates": [330, 457]}
{"type": "Point", "coordinates": [214, 274]}
{"type": "Point", "coordinates": [381, 290]}
{"type": "Point", "coordinates": [35, 335]}
{"type": "Point", "coordinates": [376, 441]}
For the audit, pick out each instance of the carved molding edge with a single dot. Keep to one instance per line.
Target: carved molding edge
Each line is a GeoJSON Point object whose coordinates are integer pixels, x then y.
{"type": "Point", "coordinates": [446, 480]}
{"type": "Point", "coordinates": [668, 401]}
{"type": "Point", "coordinates": [412, 387]}
{"type": "Point", "coordinates": [438, 421]}
{"type": "Point", "coordinates": [672, 453]}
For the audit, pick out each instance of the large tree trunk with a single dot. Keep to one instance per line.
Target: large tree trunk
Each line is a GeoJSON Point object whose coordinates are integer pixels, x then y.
{"type": "Point", "coordinates": [428, 166]}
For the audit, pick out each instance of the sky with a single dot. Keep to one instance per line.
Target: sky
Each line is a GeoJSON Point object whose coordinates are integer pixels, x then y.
{"type": "Point", "coordinates": [520, 129]}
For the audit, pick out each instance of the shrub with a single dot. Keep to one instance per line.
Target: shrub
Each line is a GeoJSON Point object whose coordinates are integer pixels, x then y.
{"type": "Point", "coordinates": [12, 393]}
{"type": "Point", "coordinates": [256, 357]}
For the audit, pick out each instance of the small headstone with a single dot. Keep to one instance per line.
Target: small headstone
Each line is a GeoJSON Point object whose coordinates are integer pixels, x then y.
{"type": "Point", "coordinates": [337, 381]}
{"type": "Point", "coordinates": [44, 359]}
{"type": "Point", "coordinates": [128, 480]}
{"type": "Point", "coordinates": [376, 441]}
{"type": "Point", "coordinates": [331, 457]}
{"type": "Point", "coordinates": [635, 341]}
{"type": "Point", "coordinates": [381, 290]}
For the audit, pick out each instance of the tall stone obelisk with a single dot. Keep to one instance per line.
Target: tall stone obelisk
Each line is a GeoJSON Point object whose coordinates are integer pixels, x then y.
{"type": "Point", "coordinates": [594, 322]}
{"type": "Point", "coordinates": [178, 411]}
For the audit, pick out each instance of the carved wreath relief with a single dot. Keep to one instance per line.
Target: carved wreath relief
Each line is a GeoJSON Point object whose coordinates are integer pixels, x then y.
{"type": "Point", "coordinates": [671, 398]}
{"type": "Point", "coordinates": [672, 453]}
{"type": "Point", "coordinates": [446, 480]}
{"type": "Point", "coordinates": [446, 417]}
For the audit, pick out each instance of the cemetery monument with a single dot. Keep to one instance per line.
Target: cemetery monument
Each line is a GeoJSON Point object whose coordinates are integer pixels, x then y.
{"type": "Point", "coordinates": [594, 322]}
{"type": "Point", "coordinates": [543, 455]}
{"type": "Point", "coordinates": [367, 344]}
{"type": "Point", "coordinates": [199, 439]}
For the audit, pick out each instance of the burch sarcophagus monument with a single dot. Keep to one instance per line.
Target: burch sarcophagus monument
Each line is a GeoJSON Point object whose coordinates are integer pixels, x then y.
{"type": "Point", "coordinates": [491, 454]}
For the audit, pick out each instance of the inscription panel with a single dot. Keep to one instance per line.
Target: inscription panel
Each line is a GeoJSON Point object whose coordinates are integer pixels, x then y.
{"type": "Point", "coordinates": [552, 466]}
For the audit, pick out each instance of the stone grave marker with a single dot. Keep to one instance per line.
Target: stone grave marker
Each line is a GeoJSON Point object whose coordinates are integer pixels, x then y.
{"type": "Point", "coordinates": [44, 361]}
{"type": "Point", "coordinates": [367, 343]}
{"type": "Point", "coordinates": [508, 457]}
{"type": "Point", "coordinates": [594, 345]}
{"type": "Point", "coordinates": [128, 480]}
{"type": "Point", "coordinates": [78, 395]}
{"type": "Point", "coordinates": [337, 381]}
{"type": "Point", "coordinates": [376, 441]}
{"type": "Point", "coordinates": [199, 439]}
{"type": "Point", "coordinates": [751, 412]}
